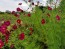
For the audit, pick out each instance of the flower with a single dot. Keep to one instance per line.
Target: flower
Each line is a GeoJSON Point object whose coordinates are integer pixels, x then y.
{"type": "Point", "coordinates": [19, 21]}
{"type": "Point", "coordinates": [7, 36]}
{"type": "Point", "coordinates": [22, 10]}
{"type": "Point", "coordinates": [20, 4]}
{"type": "Point", "coordinates": [1, 43]}
{"type": "Point", "coordinates": [21, 36]}
{"type": "Point", "coordinates": [49, 8]}
{"type": "Point", "coordinates": [31, 29]}
{"type": "Point", "coordinates": [43, 21]}
{"type": "Point", "coordinates": [14, 27]}
{"type": "Point", "coordinates": [29, 14]}
{"type": "Point", "coordinates": [3, 29]}
{"type": "Point", "coordinates": [16, 14]}
{"type": "Point", "coordinates": [58, 17]}
{"type": "Point", "coordinates": [7, 23]}
{"type": "Point", "coordinates": [29, 0]}
{"type": "Point", "coordinates": [13, 12]}
{"type": "Point", "coordinates": [18, 9]}
{"type": "Point", "coordinates": [32, 3]}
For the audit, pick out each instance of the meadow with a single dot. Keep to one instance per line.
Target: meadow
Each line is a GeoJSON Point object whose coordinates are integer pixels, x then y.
{"type": "Point", "coordinates": [38, 30]}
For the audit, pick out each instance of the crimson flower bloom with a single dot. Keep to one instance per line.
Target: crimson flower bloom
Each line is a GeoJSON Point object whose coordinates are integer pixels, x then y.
{"type": "Point", "coordinates": [7, 36]}
{"type": "Point", "coordinates": [16, 14]}
{"type": "Point", "coordinates": [3, 29]}
{"type": "Point", "coordinates": [29, 0]}
{"type": "Point", "coordinates": [1, 43]}
{"type": "Point", "coordinates": [21, 36]}
{"type": "Point", "coordinates": [29, 14]}
{"type": "Point", "coordinates": [31, 29]}
{"type": "Point", "coordinates": [18, 9]}
{"type": "Point", "coordinates": [19, 21]}
{"type": "Point", "coordinates": [13, 12]}
{"type": "Point", "coordinates": [7, 23]}
{"type": "Point", "coordinates": [32, 3]}
{"type": "Point", "coordinates": [14, 27]}
{"type": "Point", "coordinates": [43, 21]}
{"type": "Point", "coordinates": [49, 8]}
{"type": "Point", "coordinates": [58, 17]}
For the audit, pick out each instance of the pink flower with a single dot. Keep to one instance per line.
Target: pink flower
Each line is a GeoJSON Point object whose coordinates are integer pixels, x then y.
{"type": "Point", "coordinates": [58, 17]}
{"type": "Point", "coordinates": [1, 43]}
{"type": "Point", "coordinates": [21, 36]}
{"type": "Point", "coordinates": [3, 29]}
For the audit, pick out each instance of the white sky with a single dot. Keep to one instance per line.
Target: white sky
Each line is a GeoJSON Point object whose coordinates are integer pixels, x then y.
{"type": "Point", "coordinates": [13, 4]}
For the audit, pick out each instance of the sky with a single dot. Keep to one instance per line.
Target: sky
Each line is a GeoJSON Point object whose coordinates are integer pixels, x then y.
{"type": "Point", "coordinates": [13, 4]}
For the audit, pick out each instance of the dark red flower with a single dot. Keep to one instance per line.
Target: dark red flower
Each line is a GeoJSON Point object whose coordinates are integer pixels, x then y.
{"type": "Point", "coordinates": [1, 43]}
{"type": "Point", "coordinates": [13, 12]}
{"type": "Point", "coordinates": [21, 36]}
{"type": "Point", "coordinates": [17, 15]}
{"type": "Point", "coordinates": [29, 0]}
{"type": "Point", "coordinates": [18, 9]}
{"type": "Point", "coordinates": [31, 29]}
{"type": "Point", "coordinates": [43, 21]}
{"type": "Point", "coordinates": [19, 21]}
{"type": "Point", "coordinates": [22, 10]}
{"type": "Point", "coordinates": [7, 36]}
{"type": "Point", "coordinates": [32, 3]}
{"type": "Point", "coordinates": [49, 8]}
{"type": "Point", "coordinates": [58, 17]}
{"type": "Point", "coordinates": [20, 4]}
{"type": "Point", "coordinates": [7, 23]}
{"type": "Point", "coordinates": [29, 14]}
{"type": "Point", "coordinates": [14, 27]}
